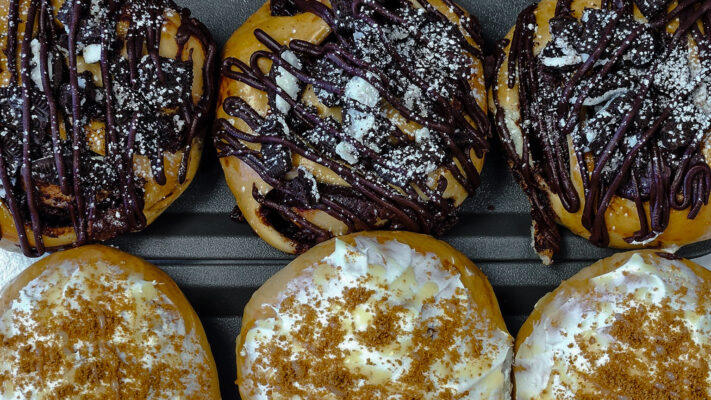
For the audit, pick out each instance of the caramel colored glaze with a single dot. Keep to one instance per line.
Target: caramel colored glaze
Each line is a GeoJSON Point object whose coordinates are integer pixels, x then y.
{"type": "Point", "coordinates": [245, 182]}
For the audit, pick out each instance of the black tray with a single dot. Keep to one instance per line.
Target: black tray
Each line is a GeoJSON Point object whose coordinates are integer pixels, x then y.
{"type": "Point", "coordinates": [219, 263]}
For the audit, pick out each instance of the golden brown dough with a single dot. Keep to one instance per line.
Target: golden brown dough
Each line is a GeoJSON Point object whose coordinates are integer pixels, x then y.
{"type": "Point", "coordinates": [671, 196]}
{"type": "Point", "coordinates": [371, 162]}
{"type": "Point", "coordinates": [95, 322]}
{"type": "Point", "coordinates": [99, 165]}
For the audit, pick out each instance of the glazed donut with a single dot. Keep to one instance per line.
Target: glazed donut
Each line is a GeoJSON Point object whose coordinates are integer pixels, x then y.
{"type": "Point", "coordinates": [634, 326]}
{"type": "Point", "coordinates": [97, 323]}
{"type": "Point", "coordinates": [363, 116]}
{"type": "Point", "coordinates": [376, 315]}
{"type": "Point", "coordinates": [620, 91]}
{"type": "Point", "coordinates": [102, 103]}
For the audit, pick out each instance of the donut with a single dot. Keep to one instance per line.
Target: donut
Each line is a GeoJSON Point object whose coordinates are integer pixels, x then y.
{"type": "Point", "coordinates": [98, 323]}
{"type": "Point", "coordinates": [102, 109]}
{"type": "Point", "coordinates": [375, 315]}
{"type": "Point", "coordinates": [632, 326]}
{"type": "Point", "coordinates": [603, 112]}
{"type": "Point", "coordinates": [351, 117]}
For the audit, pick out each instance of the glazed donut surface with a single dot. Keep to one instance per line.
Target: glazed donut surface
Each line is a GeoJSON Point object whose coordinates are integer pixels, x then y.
{"type": "Point", "coordinates": [357, 117]}
{"type": "Point", "coordinates": [102, 103]}
{"type": "Point", "coordinates": [619, 91]}
{"type": "Point", "coordinates": [97, 323]}
{"type": "Point", "coordinates": [633, 326]}
{"type": "Point", "coordinates": [376, 315]}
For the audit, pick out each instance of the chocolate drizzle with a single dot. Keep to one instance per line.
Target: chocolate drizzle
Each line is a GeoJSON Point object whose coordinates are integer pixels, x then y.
{"type": "Point", "coordinates": [417, 61]}
{"type": "Point", "coordinates": [627, 95]}
{"type": "Point", "coordinates": [55, 179]}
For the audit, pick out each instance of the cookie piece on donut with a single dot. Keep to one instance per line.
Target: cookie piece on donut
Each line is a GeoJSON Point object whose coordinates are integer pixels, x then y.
{"type": "Point", "coordinates": [351, 117]}
{"type": "Point", "coordinates": [375, 315]}
{"type": "Point", "coordinates": [634, 326]}
{"type": "Point", "coordinates": [103, 105]}
{"type": "Point", "coordinates": [603, 111]}
{"type": "Point", "coordinates": [95, 322]}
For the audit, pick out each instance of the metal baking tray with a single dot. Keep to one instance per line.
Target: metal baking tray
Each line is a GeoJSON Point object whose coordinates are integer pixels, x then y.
{"type": "Point", "coordinates": [219, 263]}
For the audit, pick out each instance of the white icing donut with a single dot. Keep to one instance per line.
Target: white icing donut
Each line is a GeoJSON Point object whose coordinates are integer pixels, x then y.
{"type": "Point", "coordinates": [378, 315]}
{"type": "Point", "coordinates": [633, 326]}
{"type": "Point", "coordinates": [98, 323]}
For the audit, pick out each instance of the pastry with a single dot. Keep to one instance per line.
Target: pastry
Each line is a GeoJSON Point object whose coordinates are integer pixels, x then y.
{"type": "Point", "coordinates": [97, 323]}
{"type": "Point", "coordinates": [102, 104]}
{"type": "Point", "coordinates": [362, 116]}
{"type": "Point", "coordinates": [377, 315]}
{"type": "Point", "coordinates": [619, 91]}
{"type": "Point", "coordinates": [634, 326]}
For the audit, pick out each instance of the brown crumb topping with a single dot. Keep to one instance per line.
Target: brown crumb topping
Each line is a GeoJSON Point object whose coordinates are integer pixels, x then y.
{"type": "Point", "coordinates": [97, 334]}
{"type": "Point", "coordinates": [653, 356]}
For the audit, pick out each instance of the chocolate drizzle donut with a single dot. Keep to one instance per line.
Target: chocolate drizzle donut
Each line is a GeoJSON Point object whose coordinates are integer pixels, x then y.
{"type": "Point", "coordinates": [619, 91]}
{"type": "Point", "coordinates": [96, 95]}
{"type": "Point", "coordinates": [373, 119]}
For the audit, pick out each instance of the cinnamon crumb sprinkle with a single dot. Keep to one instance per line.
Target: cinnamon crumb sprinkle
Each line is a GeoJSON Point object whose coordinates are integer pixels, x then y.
{"type": "Point", "coordinates": [80, 332]}
{"type": "Point", "coordinates": [654, 356]}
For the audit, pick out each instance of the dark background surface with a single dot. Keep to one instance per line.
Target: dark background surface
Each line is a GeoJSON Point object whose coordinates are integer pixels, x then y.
{"type": "Point", "coordinates": [219, 263]}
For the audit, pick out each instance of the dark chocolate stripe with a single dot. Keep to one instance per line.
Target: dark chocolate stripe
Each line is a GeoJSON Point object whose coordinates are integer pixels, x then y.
{"type": "Point", "coordinates": [26, 170]}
